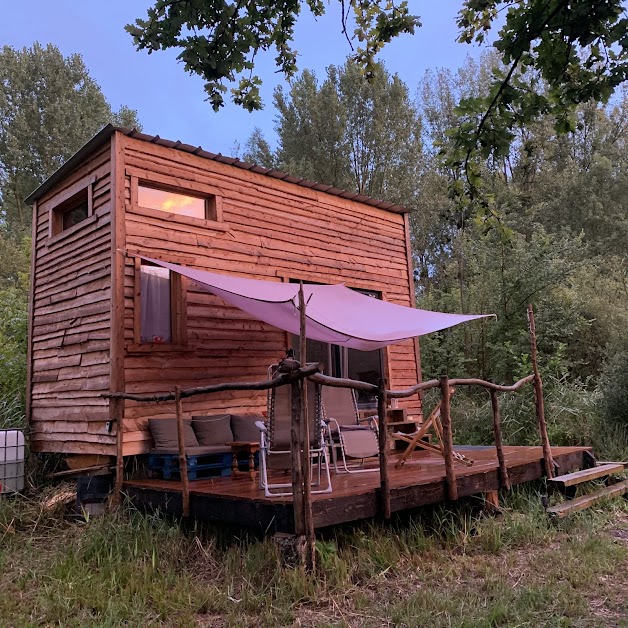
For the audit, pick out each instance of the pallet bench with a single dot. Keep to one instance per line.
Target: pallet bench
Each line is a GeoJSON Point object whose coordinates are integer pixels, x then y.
{"type": "Point", "coordinates": [199, 466]}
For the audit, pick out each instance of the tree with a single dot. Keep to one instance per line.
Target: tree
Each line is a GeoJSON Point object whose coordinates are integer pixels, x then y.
{"type": "Point", "coordinates": [49, 107]}
{"type": "Point", "coordinates": [220, 40]}
{"type": "Point", "coordinates": [575, 51]}
{"type": "Point", "coordinates": [348, 133]}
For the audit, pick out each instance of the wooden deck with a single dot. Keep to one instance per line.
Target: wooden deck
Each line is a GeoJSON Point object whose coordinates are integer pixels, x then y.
{"type": "Point", "coordinates": [421, 481]}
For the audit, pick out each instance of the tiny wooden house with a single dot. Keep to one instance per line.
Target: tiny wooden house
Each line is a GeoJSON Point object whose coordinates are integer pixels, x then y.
{"type": "Point", "coordinates": [102, 320]}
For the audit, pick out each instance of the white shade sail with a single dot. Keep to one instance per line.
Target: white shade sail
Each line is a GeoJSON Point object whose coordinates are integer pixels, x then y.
{"type": "Point", "coordinates": [334, 313]}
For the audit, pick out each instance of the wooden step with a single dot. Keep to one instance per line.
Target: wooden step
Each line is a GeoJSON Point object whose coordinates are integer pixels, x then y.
{"type": "Point", "coordinates": [581, 503]}
{"type": "Point", "coordinates": [600, 471]}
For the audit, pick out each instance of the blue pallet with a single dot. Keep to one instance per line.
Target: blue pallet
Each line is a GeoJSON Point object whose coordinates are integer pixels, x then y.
{"type": "Point", "coordinates": [198, 466]}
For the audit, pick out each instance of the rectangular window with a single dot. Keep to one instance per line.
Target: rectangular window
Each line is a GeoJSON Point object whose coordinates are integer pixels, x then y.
{"type": "Point", "coordinates": [160, 306]}
{"type": "Point", "coordinates": [165, 200]}
{"type": "Point", "coordinates": [155, 305]}
{"type": "Point", "coordinates": [72, 211]}
{"type": "Point", "coordinates": [363, 366]}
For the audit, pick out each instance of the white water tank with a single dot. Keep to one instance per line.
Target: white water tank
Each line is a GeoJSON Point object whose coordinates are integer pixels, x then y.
{"type": "Point", "coordinates": [11, 461]}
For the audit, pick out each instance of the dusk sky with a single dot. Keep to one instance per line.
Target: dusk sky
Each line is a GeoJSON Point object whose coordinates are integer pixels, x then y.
{"type": "Point", "coordinates": [171, 103]}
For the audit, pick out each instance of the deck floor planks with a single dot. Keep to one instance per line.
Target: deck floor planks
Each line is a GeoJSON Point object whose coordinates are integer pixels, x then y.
{"type": "Point", "coordinates": [419, 482]}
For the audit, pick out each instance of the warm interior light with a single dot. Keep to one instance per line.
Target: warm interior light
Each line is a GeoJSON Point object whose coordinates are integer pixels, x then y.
{"type": "Point", "coordinates": [171, 202]}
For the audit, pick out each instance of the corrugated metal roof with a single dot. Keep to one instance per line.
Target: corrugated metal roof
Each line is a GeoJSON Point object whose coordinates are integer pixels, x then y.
{"type": "Point", "coordinates": [106, 132]}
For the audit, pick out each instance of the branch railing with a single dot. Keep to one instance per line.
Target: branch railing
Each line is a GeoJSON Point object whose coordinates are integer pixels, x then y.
{"type": "Point", "coordinates": [296, 374]}
{"type": "Point", "coordinates": [291, 373]}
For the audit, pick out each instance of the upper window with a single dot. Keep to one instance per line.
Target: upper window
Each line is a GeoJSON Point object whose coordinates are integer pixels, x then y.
{"type": "Point", "coordinates": [72, 211]}
{"type": "Point", "coordinates": [176, 202]}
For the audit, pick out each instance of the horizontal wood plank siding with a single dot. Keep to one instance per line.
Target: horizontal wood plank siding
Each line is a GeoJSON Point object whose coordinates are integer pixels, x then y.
{"type": "Point", "coordinates": [270, 230]}
{"type": "Point", "coordinates": [70, 338]}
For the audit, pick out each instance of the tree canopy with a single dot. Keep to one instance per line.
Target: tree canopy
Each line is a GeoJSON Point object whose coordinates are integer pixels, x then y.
{"type": "Point", "coordinates": [555, 54]}
{"type": "Point", "coordinates": [49, 107]}
{"type": "Point", "coordinates": [349, 133]}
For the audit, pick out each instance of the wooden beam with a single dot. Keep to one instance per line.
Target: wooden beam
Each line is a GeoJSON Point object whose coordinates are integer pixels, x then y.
{"type": "Point", "coordinates": [296, 460]}
{"type": "Point", "coordinates": [383, 449]}
{"type": "Point", "coordinates": [116, 407]}
{"type": "Point", "coordinates": [499, 444]}
{"type": "Point", "coordinates": [183, 459]}
{"type": "Point", "coordinates": [116, 347]}
{"type": "Point", "coordinates": [284, 378]}
{"type": "Point", "coordinates": [538, 398]}
{"type": "Point", "coordinates": [448, 442]}
{"type": "Point", "coordinates": [586, 475]}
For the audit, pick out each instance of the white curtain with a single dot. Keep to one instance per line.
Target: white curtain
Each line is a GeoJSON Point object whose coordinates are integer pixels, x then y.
{"type": "Point", "coordinates": [155, 323]}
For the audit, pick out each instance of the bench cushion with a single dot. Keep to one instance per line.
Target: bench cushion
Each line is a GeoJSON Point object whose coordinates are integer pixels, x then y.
{"type": "Point", "coordinates": [193, 451]}
{"type": "Point", "coordinates": [164, 432]}
{"type": "Point", "coordinates": [244, 428]}
{"type": "Point", "coordinates": [213, 429]}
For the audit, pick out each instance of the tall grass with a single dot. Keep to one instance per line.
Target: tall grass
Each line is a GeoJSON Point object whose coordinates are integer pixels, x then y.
{"type": "Point", "coordinates": [12, 412]}
{"type": "Point", "coordinates": [441, 565]}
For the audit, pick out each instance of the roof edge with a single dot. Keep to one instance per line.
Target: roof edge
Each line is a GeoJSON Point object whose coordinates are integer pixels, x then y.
{"type": "Point", "coordinates": [107, 131]}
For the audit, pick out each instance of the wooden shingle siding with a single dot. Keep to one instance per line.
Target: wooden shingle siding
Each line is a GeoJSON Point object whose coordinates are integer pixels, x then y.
{"type": "Point", "coordinates": [270, 230]}
{"type": "Point", "coordinates": [70, 330]}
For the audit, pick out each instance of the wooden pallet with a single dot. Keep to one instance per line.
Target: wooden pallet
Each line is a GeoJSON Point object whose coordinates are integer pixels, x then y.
{"type": "Point", "coordinates": [199, 467]}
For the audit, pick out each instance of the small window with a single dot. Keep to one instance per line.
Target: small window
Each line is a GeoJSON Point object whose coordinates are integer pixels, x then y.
{"type": "Point", "coordinates": [155, 305]}
{"type": "Point", "coordinates": [160, 306]}
{"type": "Point", "coordinates": [176, 202]}
{"type": "Point", "coordinates": [72, 211]}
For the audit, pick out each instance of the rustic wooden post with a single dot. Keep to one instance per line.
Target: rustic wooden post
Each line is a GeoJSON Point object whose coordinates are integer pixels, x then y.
{"type": "Point", "coordinates": [383, 448]}
{"type": "Point", "coordinates": [499, 444]}
{"type": "Point", "coordinates": [117, 411]}
{"type": "Point", "coordinates": [448, 440]}
{"type": "Point", "coordinates": [296, 460]}
{"type": "Point", "coordinates": [538, 398]}
{"type": "Point", "coordinates": [183, 461]}
{"type": "Point", "coordinates": [306, 463]}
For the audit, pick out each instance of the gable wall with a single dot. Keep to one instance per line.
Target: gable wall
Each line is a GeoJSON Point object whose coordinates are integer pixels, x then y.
{"type": "Point", "coordinates": [69, 344]}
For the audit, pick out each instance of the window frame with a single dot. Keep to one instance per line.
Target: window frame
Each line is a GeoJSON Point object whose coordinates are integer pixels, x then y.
{"type": "Point", "coordinates": [339, 355]}
{"type": "Point", "coordinates": [65, 202]}
{"type": "Point", "coordinates": [178, 314]}
{"type": "Point", "coordinates": [212, 195]}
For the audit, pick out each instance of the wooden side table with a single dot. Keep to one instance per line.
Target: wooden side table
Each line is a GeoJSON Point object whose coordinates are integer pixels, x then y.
{"type": "Point", "coordinates": [250, 448]}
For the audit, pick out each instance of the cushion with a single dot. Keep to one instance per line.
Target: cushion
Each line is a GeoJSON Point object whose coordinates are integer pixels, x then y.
{"type": "Point", "coordinates": [244, 428]}
{"type": "Point", "coordinates": [213, 429]}
{"type": "Point", "coordinates": [164, 433]}
{"type": "Point", "coordinates": [194, 451]}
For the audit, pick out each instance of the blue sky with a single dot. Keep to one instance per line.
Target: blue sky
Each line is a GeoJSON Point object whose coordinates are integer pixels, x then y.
{"type": "Point", "coordinates": [170, 102]}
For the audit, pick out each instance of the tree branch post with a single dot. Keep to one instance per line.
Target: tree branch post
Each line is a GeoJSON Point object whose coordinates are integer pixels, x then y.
{"type": "Point", "coordinates": [383, 448]}
{"type": "Point", "coordinates": [183, 459]}
{"type": "Point", "coordinates": [448, 441]}
{"type": "Point", "coordinates": [304, 437]}
{"type": "Point", "coordinates": [538, 398]}
{"type": "Point", "coordinates": [499, 445]}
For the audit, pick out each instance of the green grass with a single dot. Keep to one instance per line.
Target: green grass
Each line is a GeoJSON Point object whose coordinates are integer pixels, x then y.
{"type": "Point", "coordinates": [437, 567]}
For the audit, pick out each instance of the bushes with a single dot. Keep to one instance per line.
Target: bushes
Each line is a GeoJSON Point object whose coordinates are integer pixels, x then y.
{"type": "Point", "coordinates": [572, 412]}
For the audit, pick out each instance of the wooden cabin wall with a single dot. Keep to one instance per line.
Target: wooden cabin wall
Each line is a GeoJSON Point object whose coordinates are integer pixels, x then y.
{"type": "Point", "coordinates": [270, 230]}
{"type": "Point", "coordinates": [69, 344]}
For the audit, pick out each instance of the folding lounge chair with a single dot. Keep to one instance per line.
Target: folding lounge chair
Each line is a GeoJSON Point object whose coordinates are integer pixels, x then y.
{"type": "Point", "coordinates": [356, 440]}
{"type": "Point", "coordinates": [416, 440]}
{"type": "Point", "coordinates": [275, 440]}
